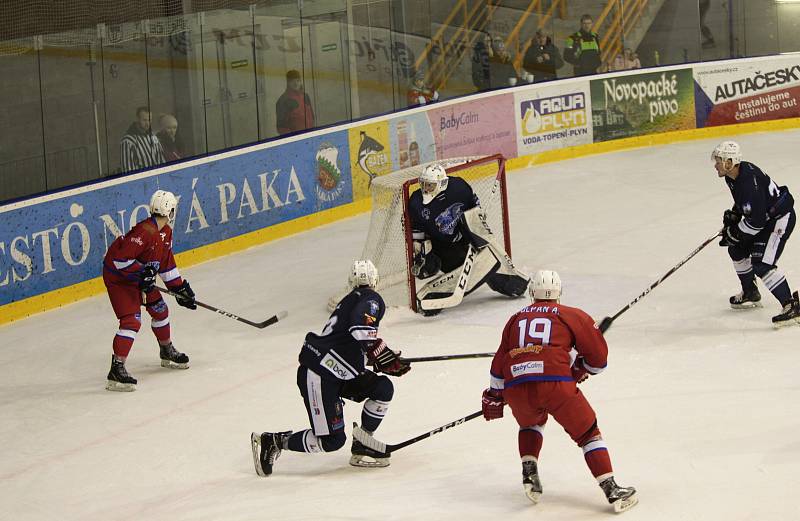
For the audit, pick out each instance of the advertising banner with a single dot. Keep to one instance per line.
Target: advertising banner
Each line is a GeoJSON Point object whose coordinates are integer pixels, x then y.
{"type": "Point", "coordinates": [56, 243]}
{"type": "Point", "coordinates": [553, 116]}
{"type": "Point", "coordinates": [483, 126]}
{"type": "Point", "coordinates": [742, 92]}
{"type": "Point", "coordinates": [412, 140]}
{"type": "Point", "coordinates": [370, 156]}
{"type": "Point", "coordinates": [639, 104]}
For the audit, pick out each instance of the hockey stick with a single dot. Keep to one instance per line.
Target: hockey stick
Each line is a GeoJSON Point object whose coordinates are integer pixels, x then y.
{"type": "Point", "coordinates": [457, 296]}
{"type": "Point", "coordinates": [607, 321]}
{"type": "Point", "coordinates": [447, 357]}
{"type": "Point", "coordinates": [260, 325]}
{"type": "Point", "coordinates": [367, 440]}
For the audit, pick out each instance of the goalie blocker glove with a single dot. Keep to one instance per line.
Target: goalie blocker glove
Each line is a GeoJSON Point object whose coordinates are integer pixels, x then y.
{"type": "Point", "coordinates": [387, 361]}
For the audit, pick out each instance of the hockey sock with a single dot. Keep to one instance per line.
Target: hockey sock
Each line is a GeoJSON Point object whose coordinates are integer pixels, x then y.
{"type": "Point", "coordinates": [304, 441]}
{"type": "Point", "coordinates": [123, 341]}
{"type": "Point", "coordinates": [775, 281]}
{"type": "Point", "coordinates": [530, 441]}
{"type": "Point", "coordinates": [744, 270]}
{"type": "Point", "coordinates": [372, 414]}
{"type": "Point", "coordinates": [596, 455]}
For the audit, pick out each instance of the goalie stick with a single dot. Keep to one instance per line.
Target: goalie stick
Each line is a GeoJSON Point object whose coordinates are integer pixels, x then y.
{"type": "Point", "coordinates": [368, 441]}
{"type": "Point", "coordinates": [260, 325]}
{"type": "Point", "coordinates": [607, 321]}
{"type": "Point", "coordinates": [447, 357]}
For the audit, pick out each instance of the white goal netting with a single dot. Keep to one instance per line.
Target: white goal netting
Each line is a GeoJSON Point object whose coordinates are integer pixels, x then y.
{"type": "Point", "coordinates": [388, 243]}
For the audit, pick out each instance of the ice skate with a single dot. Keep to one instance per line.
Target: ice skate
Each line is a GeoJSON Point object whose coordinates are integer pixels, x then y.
{"type": "Point", "coordinates": [530, 481]}
{"type": "Point", "coordinates": [748, 299]}
{"type": "Point", "coordinates": [172, 358]}
{"type": "Point", "coordinates": [790, 314]}
{"type": "Point", "coordinates": [363, 456]}
{"type": "Point", "coordinates": [621, 498]}
{"type": "Point", "coordinates": [118, 377]}
{"type": "Point", "coordinates": [267, 448]}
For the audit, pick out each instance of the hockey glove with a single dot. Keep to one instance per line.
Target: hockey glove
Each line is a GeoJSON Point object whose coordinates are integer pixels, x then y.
{"type": "Point", "coordinates": [731, 217]}
{"type": "Point", "coordinates": [579, 372]}
{"type": "Point", "coordinates": [492, 404]}
{"type": "Point", "coordinates": [185, 296]}
{"type": "Point", "coordinates": [732, 236]}
{"type": "Point", "coordinates": [387, 361]}
{"type": "Point", "coordinates": [147, 278]}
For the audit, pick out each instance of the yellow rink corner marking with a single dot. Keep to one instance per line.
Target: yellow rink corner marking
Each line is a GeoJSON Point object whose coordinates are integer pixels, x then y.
{"type": "Point", "coordinates": [60, 297]}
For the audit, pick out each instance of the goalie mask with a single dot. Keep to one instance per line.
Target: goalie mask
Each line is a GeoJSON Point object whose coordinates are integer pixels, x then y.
{"type": "Point", "coordinates": [432, 182]}
{"type": "Point", "coordinates": [364, 273]}
{"type": "Point", "coordinates": [545, 285]}
{"type": "Point", "coordinates": [725, 151]}
{"type": "Point", "coordinates": [163, 203]}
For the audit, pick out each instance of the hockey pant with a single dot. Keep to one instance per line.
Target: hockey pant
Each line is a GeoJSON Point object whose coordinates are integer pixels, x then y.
{"type": "Point", "coordinates": [323, 400]}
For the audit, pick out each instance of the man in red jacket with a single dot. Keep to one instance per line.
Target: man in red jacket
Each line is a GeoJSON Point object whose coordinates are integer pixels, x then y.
{"type": "Point", "coordinates": [545, 350]}
{"type": "Point", "coordinates": [293, 111]}
{"type": "Point", "coordinates": [129, 273]}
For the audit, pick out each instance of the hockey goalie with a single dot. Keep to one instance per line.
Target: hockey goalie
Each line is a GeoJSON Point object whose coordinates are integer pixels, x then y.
{"type": "Point", "coordinates": [455, 250]}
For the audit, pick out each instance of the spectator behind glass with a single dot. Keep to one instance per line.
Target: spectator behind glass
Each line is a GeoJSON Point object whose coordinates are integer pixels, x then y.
{"type": "Point", "coordinates": [293, 109]}
{"type": "Point", "coordinates": [625, 61]}
{"type": "Point", "coordinates": [501, 67]}
{"type": "Point", "coordinates": [542, 58]}
{"type": "Point", "coordinates": [419, 93]}
{"type": "Point", "coordinates": [167, 136]}
{"type": "Point", "coordinates": [139, 148]}
{"type": "Point", "coordinates": [582, 49]}
{"type": "Point", "coordinates": [480, 62]}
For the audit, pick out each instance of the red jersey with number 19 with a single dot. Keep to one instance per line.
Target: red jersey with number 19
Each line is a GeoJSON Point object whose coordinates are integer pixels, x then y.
{"type": "Point", "coordinates": [537, 342]}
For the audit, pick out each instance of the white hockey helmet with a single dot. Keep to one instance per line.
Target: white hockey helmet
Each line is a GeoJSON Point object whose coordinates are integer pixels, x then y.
{"type": "Point", "coordinates": [364, 273]}
{"type": "Point", "coordinates": [545, 285]}
{"type": "Point", "coordinates": [727, 150]}
{"type": "Point", "coordinates": [163, 203]}
{"type": "Point", "coordinates": [432, 181]}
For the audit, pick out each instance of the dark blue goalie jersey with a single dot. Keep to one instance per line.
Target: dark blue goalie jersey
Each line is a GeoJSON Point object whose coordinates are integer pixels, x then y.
{"type": "Point", "coordinates": [352, 329]}
{"type": "Point", "coordinates": [439, 220]}
{"type": "Point", "coordinates": [757, 198]}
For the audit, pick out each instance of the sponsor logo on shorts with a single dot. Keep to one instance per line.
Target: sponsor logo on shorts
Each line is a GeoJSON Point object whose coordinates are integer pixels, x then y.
{"type": "Point", "coordinates": [531, 367]}
{"type": "Point", "coordinates": [336, 368]}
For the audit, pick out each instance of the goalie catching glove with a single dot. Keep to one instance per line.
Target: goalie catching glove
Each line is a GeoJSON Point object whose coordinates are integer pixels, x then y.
{"type": "Point", "coordinates": [387, 361]}
{"type": "Point", "coordinates": [492, 403]}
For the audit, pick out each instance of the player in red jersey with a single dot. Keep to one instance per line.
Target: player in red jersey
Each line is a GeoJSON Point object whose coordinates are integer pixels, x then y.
{"type": "Point", "coordinates": [545, 350]}
{"type": "Point", "coordinates": [129, 273]}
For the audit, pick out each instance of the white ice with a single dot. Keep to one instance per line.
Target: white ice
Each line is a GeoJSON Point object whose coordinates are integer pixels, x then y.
{"type": "Point", "coordinates": [699, 405]}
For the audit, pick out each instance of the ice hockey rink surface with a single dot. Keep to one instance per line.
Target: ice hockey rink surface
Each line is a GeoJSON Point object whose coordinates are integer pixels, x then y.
{"type": "Point", "coordinates": [700, 404]}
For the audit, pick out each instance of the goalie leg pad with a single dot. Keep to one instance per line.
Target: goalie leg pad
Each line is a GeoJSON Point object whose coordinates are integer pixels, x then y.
{"type": "Point", "coordinates": [463, 280]}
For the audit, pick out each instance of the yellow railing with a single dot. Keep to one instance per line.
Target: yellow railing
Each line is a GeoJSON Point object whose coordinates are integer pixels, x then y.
{"type": "Point", "coordinates": [623, 18]}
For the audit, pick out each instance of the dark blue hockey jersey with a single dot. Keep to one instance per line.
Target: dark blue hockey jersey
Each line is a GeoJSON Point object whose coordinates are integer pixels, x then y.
{"type": "Point", "coordinates": [439, 219]}
{"type": "Point", "coordinates": [352, 329]}
{"type": "Point", "coordinates": [757, 198]}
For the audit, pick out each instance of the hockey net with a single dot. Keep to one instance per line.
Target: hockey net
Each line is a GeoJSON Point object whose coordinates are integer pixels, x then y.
{"type": "Point", "coordinates": [389, 244]}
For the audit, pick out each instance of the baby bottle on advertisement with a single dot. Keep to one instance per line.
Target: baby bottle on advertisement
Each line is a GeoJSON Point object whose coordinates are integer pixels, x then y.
{"type": "Point", "coordinates": [402, 143]}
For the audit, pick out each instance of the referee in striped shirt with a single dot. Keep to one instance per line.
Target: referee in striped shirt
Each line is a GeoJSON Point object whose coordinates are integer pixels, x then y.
{"type": "Point", "coordinates": [139, 147]}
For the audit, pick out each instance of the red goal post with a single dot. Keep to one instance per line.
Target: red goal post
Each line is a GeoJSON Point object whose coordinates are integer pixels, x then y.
{"type": "Point", "coordinates": [389, 245]}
